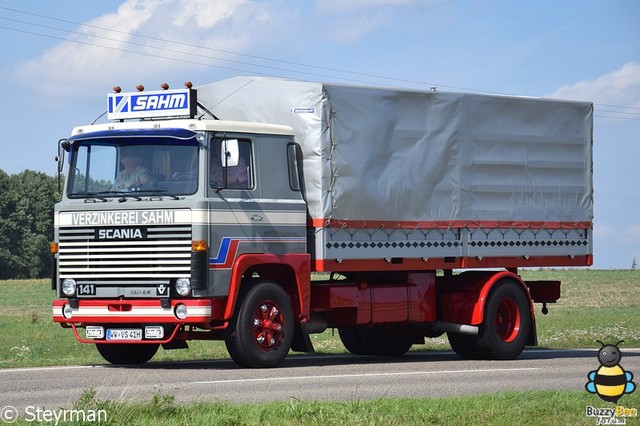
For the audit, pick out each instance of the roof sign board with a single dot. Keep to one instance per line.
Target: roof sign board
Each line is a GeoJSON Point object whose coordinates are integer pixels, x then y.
{"type": "Point", "coordinates": [163, 103]}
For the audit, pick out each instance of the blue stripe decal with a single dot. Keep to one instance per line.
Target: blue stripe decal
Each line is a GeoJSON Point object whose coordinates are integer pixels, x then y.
{"type": "Point", "coordinates": [229, 247]}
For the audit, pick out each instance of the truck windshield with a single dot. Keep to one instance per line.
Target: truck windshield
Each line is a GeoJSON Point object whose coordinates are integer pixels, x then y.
{"type": "Point", "coordinates": [118, 166]}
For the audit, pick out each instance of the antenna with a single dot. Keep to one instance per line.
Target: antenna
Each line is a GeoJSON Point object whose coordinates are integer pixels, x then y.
{"type": "Point", "coordinates": [98, 118]}
{"type": "Point", "coordinates": [207, 111]}
{"type": "Point", "coordinates": [225, 98]}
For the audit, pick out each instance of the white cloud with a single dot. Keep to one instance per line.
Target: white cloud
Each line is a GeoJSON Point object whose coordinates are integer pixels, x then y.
{"type": "Point", "coordinates": [620, 87]}
{"type": "Point", "coordinates": [87, 57]}
{"type": "Point", "coordinates": [179, 35]}
{"type": "Point", "coordinates": [206, 14]}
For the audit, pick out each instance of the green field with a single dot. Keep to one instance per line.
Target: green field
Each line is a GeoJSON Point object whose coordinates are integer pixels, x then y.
{"type": "Point", "coordinates": [509, 408]}
{"type": "Point", "coordinates": [595, 305]}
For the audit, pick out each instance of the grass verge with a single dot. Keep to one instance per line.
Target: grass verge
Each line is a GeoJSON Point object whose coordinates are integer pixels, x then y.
{"type": "Point", "coordinates": [595, 305]}
{"type": "Point", "coordinates": [509, 408]}
{"type": "Point", "coordinates": [602, 305]}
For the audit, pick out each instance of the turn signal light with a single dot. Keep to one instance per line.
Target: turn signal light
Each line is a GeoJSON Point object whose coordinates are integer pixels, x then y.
{"type": "Point", "coordinates": [199, 245]}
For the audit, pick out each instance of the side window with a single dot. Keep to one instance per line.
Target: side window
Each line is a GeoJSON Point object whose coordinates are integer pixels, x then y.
{"type": "Point", "coordinates": [293, 165]}
{"type": "Point", "coordinates": [239, 176]}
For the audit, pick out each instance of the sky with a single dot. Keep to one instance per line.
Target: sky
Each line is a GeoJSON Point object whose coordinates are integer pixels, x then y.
{"type": "Point", "coordinates": [60, 58]}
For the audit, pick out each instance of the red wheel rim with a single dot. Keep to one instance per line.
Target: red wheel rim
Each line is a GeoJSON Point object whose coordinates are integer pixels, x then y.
{"type": "Point", "coordinates": [268, 325]}
{"type": "Point", "coordinates": [507, 320]}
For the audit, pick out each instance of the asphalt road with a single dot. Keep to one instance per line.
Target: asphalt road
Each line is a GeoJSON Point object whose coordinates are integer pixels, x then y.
{"type": "Point", "coordinates": [319, 378]}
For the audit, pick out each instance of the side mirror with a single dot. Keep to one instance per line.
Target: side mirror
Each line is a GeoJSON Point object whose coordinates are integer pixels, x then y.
{"type": "Point", "coordinates": [63, 146]}
{"type": "Point", "coordinates": [230, 153]}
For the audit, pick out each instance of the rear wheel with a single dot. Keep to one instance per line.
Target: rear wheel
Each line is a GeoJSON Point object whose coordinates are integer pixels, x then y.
{"type": "Point", "coordinates": [464, 345]}
{"type": "Point", "coordinates": [127, 353]}
{"type": "Point", "coordinates": [507, 322]}
{"type": "Point", "coordinates": [392, 341]}
{"type": "Point", "coordinates": [351, 340]}
{"type": "Point", "coordinates": [261, 330]}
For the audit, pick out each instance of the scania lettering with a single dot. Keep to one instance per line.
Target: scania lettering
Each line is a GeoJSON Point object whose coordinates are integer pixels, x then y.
{"type": "Point", "coordinates": [265, 210]}
{"type": "Point", "coordinates": [121, 234]}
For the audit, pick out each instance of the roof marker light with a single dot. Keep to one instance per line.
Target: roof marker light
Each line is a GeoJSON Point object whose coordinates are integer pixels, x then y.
{"type": "Point", "coordinates": [139, 87]}
{"type": "Point", "coordinates": [117, 89]}
{"type": "Point", "coordinates": [188, 85]}
{"type": "Point", "coordinates": [164, 86]}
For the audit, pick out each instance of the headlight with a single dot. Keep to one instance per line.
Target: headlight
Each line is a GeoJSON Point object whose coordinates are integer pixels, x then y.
{"type": "Point", "coordinates": [183, 286]}
{"type": "Point", "coordinates": [69, 287]}
{"type": "Point", "coordinates": [180, 311]}
{"type": "Point", "coordinates": [67, 312]}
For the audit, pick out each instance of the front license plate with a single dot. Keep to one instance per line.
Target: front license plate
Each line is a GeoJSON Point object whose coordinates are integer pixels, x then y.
{"type": "Point", "coordinates": [94, 332]}
{"type": "Point", "coordinates": [124, 334]}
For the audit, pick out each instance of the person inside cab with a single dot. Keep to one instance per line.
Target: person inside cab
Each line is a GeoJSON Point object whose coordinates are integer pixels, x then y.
{"type": "Point", "coordinates": [133, 174]}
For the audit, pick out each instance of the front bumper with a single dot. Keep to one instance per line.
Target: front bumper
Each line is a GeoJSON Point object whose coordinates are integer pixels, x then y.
{"type": "Point", "coordinates": [100, 311]}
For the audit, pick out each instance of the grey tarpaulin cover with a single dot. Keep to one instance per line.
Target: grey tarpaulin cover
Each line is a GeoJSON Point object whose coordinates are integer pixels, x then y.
{"type": "Point", "coordinates": [383, 154]}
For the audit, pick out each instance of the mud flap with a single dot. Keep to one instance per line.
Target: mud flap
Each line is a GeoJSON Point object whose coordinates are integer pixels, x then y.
{"type": "Point", "coordinates": [532, 340]}
{"type": "Point", "coordinates": [301, 341]}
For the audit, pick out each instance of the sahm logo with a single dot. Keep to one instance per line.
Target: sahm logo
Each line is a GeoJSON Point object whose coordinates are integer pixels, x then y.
{"type": "Point", "coordinates": [610, 382]}
{"type": "Point", "coordinates": [150, 104]}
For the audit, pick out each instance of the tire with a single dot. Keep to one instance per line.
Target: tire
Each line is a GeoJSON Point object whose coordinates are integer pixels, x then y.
{"type": "Point", "coordinates": [350, 338]}
{"type": "Point", "coordinates": [464, 345]}
{"type": "Point", "coordinates": [261, 330]}
{"type": "Point", "coordinates": [392, 341]}
{"type": "Point", "coordinates": [507, 322]}
{"type": "Point", "coordinates": [127, 353]}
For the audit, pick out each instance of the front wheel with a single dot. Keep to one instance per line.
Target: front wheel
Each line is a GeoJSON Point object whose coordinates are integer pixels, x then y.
{"type": "Point", "coordinates": [127, 353]}
{"type": "Point", "coordinates": [261, 330]}
{"type": "Point", "coordinates": [507, 322]}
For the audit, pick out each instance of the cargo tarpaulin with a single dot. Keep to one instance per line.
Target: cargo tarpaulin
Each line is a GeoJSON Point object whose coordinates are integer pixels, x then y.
{"type": "Point", "coordinates": [383, 154]}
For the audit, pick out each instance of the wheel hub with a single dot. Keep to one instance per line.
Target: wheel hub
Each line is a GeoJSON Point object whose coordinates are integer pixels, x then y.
{"type": "Point", "coordinates": [268, 328]}
{"type": "Point", "coordinates": [507, 320]}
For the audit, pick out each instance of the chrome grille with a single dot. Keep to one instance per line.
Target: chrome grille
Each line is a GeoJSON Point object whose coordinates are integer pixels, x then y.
{"type": "Point", "coordinates": [165, 253]}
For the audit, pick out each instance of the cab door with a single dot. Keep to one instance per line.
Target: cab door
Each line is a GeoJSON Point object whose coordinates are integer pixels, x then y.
{"type": "Point", "coordinates": [236, 211]}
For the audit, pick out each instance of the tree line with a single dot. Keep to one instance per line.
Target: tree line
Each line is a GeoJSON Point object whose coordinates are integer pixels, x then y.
{"type": "Point", "coordinates": [27, 200]}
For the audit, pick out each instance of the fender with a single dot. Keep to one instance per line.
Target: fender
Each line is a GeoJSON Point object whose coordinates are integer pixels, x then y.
{"type": "Point", "coordinates": [478, 312]}
{"type": "Point", "coordinates": [468, 293]}
{"type": "Point", "coordinates": [267, 266]}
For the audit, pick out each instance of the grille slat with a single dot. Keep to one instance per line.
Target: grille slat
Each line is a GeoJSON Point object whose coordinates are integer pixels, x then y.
{"type": "Point", "coordinates": [128, 256]}
{"type": "Point", "coordinates": [165, 253]}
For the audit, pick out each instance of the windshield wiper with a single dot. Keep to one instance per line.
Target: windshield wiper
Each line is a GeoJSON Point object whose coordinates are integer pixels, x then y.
{"type": "Point", "coordinates": [124, 195]}
{"type": "Point", "coordinates": [158, 193]}
{"type": "Point", "coordinates": [92, 197]}
{"type": "Point", "coordinates": [106, 194]}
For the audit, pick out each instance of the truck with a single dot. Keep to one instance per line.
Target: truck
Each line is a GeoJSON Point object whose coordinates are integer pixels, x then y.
{"type": "Point", "coordinates": [259, 211]}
